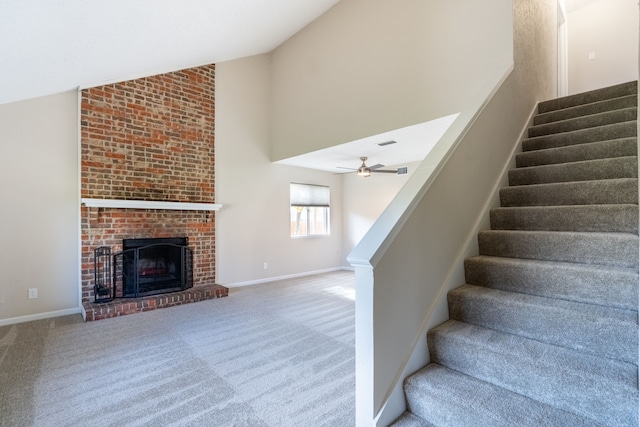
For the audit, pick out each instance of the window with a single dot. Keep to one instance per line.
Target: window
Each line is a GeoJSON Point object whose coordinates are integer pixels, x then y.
{"type": "Point", "coordinates": [309, 210]}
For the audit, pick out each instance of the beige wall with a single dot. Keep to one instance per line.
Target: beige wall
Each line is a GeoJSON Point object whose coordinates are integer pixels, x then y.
{"type": "Point", "coordinates": [367, 67]}
{"type": "Point", "coordinates": [408, 261]}
{"type": "Point", "coordinates": [358, 70]}
{"type": "Point", "coordinates": [40, 206]}
{"type": "Point", "coordinates": [253, 225]}
{"type": "Point", "coordinates": [609, 29]}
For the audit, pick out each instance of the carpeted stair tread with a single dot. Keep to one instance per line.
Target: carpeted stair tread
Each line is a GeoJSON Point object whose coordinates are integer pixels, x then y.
{"type": "Point", "coordinates": [587, 170]}
{"type": "Point", "coordinates": [615, 91]}
{"type": "Point", "coordinates": [586, 385]}
{"type": "Point", "coordinates": [592, 284]}
{"type": "Point", "coordinates": [445, 397]}
{"type": "Point", "coordinates": [575, 153]}
{"type": "Point", "coordinates": [615, 249]}
{"type": "Point", "coordinates": [627, 101]}
{"type": "Point", "coordinates": [584, 122]}
{"type": "Point", "coordinates": [610, 191]}
{"type": "Point", "coordinates": [608, 218]}
{"type": "Point", "coordinates": [545, 329]}
{"type": "Point", "coordinates": [602, 133]}
{"type": "Point", "coordinates": [407, 419]}
{"type": "Point", "coordinates": [597, 330]}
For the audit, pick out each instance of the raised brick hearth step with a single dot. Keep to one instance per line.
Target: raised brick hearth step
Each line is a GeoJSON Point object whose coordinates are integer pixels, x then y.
{"type": "Point", "coordinates": [123, 306]}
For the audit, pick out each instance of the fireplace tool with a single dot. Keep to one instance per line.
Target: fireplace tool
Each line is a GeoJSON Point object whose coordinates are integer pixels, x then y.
{"type": "Point", "coordinates": [104, 291]}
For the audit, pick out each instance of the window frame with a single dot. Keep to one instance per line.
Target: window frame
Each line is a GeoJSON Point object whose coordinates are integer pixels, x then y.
{"type": "Point", "coordinates": [314, 200]}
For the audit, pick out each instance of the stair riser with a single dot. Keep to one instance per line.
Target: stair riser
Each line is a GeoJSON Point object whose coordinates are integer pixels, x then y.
{"type": "Point", "coordinates": [620, 167]}
{"type": "Point", "coordinates": [572, 193]}
{"type": "Point", "coordinates": [617, 91]}
{"type": "Point", "coordinates": [577, 153]}
{"type": "Point", "coordinates": [603, 133]}
{"type": "Point", "coordinates": [602, 332]}
{"type": "Point", "coordinates": [615, 288]}
{"type": "Point", "coordinates": [448, 398]}
{"type": "Point", "coordinates": [603, 218]}
{"type": "Point", "coordinates": [585, 110]}
{"type": "Point", "coordinates": [615, 249]}
{"type": "Point", "coordinates": [586, 122]}
{"type": "Point", "coordinates": [584, 385]}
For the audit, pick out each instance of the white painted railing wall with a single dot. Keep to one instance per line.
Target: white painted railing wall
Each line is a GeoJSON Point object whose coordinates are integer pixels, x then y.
{"type": "Point", "coordinates": [414, 252]}
{"type": "Point", "coordinates": [410, 259]}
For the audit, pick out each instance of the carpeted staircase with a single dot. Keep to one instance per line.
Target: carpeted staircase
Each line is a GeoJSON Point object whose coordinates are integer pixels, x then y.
{"type": "Point", "coordinates": [545, 330]}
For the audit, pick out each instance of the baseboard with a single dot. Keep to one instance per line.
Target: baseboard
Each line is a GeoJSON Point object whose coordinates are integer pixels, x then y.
{"type": "Point", "coordinates": [39, 316]}
{"type": "Point", "coordinates": [288, 276]}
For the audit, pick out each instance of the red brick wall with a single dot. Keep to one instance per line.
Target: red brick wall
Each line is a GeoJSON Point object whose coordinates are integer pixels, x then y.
{"type": "Point", "coordinates": [149, 139]}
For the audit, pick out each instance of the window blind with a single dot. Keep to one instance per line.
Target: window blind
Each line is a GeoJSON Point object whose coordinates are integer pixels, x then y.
{"type": "Point", "coordinates": [309, 195]}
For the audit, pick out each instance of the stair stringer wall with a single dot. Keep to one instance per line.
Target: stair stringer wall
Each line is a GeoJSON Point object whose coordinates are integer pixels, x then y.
{"type": "Point", "coordinates": [438, 311]}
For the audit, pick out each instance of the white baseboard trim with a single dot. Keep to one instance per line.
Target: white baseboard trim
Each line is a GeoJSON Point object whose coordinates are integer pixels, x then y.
{"type": "Point", "coordinates": [288, 276]}
{"type": "Point", "coordinates": [39, 316]}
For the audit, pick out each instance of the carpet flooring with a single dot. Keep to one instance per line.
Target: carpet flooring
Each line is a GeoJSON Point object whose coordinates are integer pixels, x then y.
{"type": "Point", "coordinates": [277, 354]}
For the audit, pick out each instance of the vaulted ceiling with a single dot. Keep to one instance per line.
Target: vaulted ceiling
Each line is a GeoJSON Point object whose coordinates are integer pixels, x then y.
{"type": "Point", "coordinates": [48, 47]}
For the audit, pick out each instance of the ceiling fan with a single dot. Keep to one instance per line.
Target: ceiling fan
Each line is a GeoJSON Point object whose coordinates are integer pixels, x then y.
{"type": "Point", "coordinates": [366, 171]}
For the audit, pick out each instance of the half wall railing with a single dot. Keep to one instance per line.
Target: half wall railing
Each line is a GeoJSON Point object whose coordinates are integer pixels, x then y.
{"type": "Point", "coordinates": [414, 252]}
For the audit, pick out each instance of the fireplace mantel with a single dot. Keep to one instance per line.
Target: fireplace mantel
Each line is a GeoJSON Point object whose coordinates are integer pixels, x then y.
{"type": "Point", "coordinates": [146, 204]}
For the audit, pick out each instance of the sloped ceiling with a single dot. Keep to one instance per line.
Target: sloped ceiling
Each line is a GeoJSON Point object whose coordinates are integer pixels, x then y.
{"type": "Point", "coordinates": [48, 47]}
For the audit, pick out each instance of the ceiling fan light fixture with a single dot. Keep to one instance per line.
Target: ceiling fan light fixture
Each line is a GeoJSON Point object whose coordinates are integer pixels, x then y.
{"type": "Point", "coordinates": [364, 171]}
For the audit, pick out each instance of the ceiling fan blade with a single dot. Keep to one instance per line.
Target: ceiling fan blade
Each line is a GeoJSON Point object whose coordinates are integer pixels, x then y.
{"type": "Point", "coordinates": [342, 167]}
{"type": "Point", "coordinates": [378, 166]}
{"type": "Point", "coordinates": [399, 171]}
{"type": "Point", "coordinates": [383, 171]}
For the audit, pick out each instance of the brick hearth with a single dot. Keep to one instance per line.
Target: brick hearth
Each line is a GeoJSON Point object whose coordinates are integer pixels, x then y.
{"type": "Point", "coordinates": [120, 307]}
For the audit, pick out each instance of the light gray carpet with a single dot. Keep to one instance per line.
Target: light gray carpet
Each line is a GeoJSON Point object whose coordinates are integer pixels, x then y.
{"type": "Point", "coordinates": [278, 354]}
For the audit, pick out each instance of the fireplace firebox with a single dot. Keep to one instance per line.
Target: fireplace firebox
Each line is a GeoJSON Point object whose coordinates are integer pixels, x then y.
{"type": "Point", "coordinates": [152, 266]}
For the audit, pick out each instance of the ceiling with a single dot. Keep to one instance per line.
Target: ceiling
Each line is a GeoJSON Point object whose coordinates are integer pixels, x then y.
{"type": "Point", "coordinates": [49, 47]}
{"type": "Point", "coordinates": [412, 144]}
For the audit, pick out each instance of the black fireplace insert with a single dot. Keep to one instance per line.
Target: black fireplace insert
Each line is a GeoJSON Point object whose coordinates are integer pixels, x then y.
{"type": "Point", "coordinates": [152, 266]}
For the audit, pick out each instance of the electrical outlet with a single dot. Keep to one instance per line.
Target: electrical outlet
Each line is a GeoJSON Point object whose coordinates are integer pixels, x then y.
{"type": "Point", "coordinates": [33, 293]}
{"type": "Point", "coordinates": [266, 266]}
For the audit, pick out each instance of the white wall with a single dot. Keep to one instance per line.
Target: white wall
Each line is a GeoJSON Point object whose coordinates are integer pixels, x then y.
{"type": "Point", "coordinates": [414, 253]}
{"type": "Point", "coordinates": [608, 28]}
{"type": "Point", "coordinates": [39, 219]}
{"type": "Point", "coordinates": [364, 200]}
{"type": "Point", "coordinates": [366, 67]}
{"type": "Point", "coordinates": [253, 225]}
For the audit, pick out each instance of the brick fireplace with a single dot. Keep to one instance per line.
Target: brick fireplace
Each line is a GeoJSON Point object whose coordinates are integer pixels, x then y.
{"type": "Point", "coordinates": [147, 149]}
